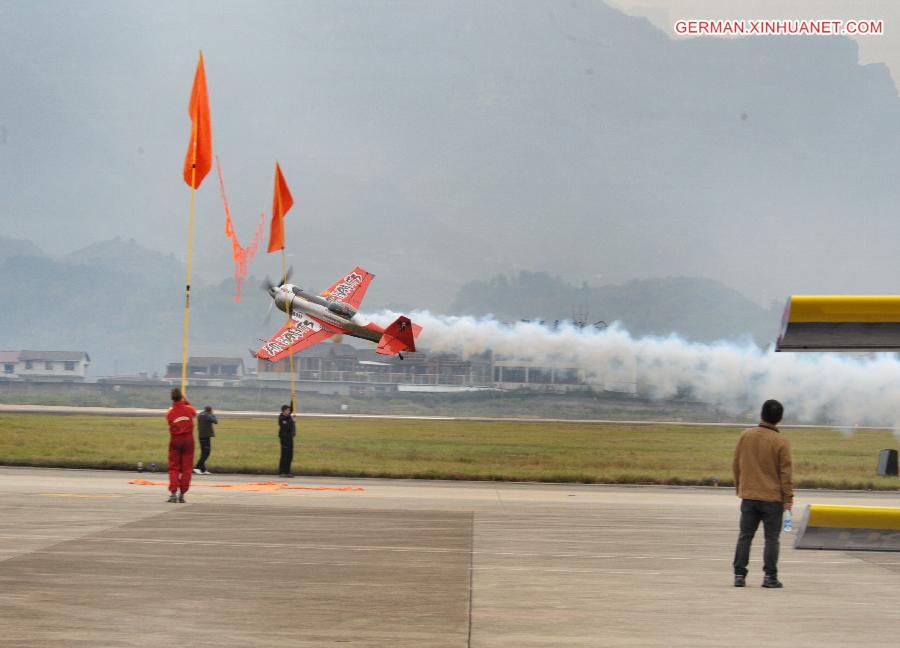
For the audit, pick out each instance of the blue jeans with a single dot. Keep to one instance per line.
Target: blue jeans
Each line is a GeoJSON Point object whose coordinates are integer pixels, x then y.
{"type": "Point", "coordinates": [752, 513]}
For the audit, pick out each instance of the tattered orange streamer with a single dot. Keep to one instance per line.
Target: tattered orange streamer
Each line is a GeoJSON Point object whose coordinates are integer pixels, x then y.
{"type": "Point", "coordinates": [242, 256]}
{"type": "Point", "coordinates": [256, 486]}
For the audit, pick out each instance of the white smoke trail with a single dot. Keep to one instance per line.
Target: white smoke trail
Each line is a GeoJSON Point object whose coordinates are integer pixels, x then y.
{"type": "Point", "coordinates": [840, 389]}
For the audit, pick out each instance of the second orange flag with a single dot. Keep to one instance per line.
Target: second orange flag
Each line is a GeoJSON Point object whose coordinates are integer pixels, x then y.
{"type": "Point", "coordinates": [282, 201]}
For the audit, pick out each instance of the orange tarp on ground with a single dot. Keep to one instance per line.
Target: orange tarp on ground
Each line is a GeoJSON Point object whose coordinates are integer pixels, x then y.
{"type": "Point", "coordinates": [256, 486]}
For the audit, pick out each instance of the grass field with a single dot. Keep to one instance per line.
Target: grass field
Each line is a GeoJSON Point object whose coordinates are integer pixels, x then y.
{"type": "Point", "coordinates": [555, 452]}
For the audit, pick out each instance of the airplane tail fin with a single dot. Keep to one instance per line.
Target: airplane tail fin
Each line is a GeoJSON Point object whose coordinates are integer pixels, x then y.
{"type": "Point", "coordinates": [398, 337]}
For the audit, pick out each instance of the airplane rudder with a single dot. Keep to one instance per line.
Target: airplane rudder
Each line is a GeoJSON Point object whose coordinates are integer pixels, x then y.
{"type": "Point", "coordinates": [401, 330]}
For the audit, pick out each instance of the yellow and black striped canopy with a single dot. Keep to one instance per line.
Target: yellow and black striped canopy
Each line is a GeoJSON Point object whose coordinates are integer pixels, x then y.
{"type": "Point", "coordinates": [840, 323]}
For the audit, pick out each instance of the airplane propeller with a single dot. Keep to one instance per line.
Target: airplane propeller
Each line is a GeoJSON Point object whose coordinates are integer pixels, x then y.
{"type": "Point", "coordinates": [268, 284]}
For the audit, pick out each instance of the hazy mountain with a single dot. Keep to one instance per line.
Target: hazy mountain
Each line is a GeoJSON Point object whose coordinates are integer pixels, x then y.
{"type": "Point", "coordinates": [696, 308]}
{"type": "Point", "coordinates": [123, 304]}
{"type": "Point", "coordinates": [128, 257]}
{"type": "Point", "coordinates": [435, 143]}
{"type": "Point", "coordinates": [10, 248]}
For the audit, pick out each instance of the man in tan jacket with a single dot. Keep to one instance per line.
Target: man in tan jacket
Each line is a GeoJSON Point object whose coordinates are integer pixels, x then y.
{"type": "Point", "coordinates": [763, 478]}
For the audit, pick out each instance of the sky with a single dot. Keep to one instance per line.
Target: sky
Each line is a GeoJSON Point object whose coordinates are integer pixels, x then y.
{"type": "Point", "coordinates": [435, 143]}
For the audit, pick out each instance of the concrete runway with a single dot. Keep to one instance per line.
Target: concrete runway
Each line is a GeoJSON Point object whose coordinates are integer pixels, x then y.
{"type": "Point", "coordinates": [87, 559]}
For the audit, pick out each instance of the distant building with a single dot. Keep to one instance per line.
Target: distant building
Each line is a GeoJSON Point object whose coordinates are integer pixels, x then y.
{"type": "Point", "coordinates": [617, 374]}
{"type": "Point", "coordinates": [209, 371]}
{"type": "Point", "coordinates": [44, 366]}
{"type": "Point", "coordinates": [337, 368]}
{"type": "Point", "coordinates": [516, 374]}
{"type": "Point", "coordinates": [8, 361]}
{"type": "Point", "coordinates": [141, 378]}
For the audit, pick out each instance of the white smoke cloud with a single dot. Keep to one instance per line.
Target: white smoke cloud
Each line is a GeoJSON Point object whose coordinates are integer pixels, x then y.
{"type": "Point", "coordinates": [844, 390]}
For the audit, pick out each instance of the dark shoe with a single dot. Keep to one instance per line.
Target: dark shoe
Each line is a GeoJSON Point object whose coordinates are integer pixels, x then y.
{"type": "Point", "coordinates": [172, 498]}
{"type": "Point", "coordinates": [289, 476]}
{"type": "Point", "coordinates": [740, 581]}
{"type": "Point", "coordinates": [181, 498]}
{"type": "Point", "coordinates": [769, 581]}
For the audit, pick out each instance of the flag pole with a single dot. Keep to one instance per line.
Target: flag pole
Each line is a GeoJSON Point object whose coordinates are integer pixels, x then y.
{"type": "Point", "coordinates": [291, 354]}
{"type": "Point", "coordinates": [199, 112]}
{"type": "Point", "coordinates": [187, 283]}
{"type": "Point", "coordinates": [278, 218]}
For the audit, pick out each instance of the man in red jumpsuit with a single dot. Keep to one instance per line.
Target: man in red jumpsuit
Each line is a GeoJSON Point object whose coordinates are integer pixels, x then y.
{"type": "Point", "coordinates": [181, 445]}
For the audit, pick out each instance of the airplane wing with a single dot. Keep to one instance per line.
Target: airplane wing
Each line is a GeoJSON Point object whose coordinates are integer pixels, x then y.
{"type": "Point", "coordinates": [350, 288]}
{"type": "Point", "coordinates": [301, 333]}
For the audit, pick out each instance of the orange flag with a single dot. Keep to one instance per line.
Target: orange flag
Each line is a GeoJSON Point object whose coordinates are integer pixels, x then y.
{"type": "Point", "coordinates": [242, 256]}
{"type": "Point", "coordinates": [282, 201]}
{"type": "Point", "coordinates": [199, 150]}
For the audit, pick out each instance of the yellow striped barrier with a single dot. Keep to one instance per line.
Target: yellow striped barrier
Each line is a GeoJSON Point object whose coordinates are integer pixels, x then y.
{"type": "Point", "coordinates": [840, 323]}
{"type": "Point", "coordinates": [849, 528]}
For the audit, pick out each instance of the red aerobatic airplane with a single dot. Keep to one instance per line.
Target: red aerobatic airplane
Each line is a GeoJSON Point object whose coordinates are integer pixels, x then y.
{"type": "Point", "coordinates": [315, 318]}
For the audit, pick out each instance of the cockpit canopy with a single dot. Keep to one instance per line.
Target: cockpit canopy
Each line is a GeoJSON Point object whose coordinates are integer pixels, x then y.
{"type": "Point", "coordinates": [338, 308]}
{"type": "Point", "coordinates": [302, 294]}
{"type": "Point", "coordinates": [341, 309]}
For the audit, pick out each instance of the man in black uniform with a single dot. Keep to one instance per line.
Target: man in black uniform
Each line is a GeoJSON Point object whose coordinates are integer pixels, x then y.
{"type": "Point", "coordinates": [205, 421]}
{"type": "Point", "coordinates": [286, 433]}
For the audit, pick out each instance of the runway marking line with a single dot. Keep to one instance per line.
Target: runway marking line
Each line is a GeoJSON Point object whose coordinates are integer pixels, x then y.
{"type": "Point", "coordinates": [257, 486]}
